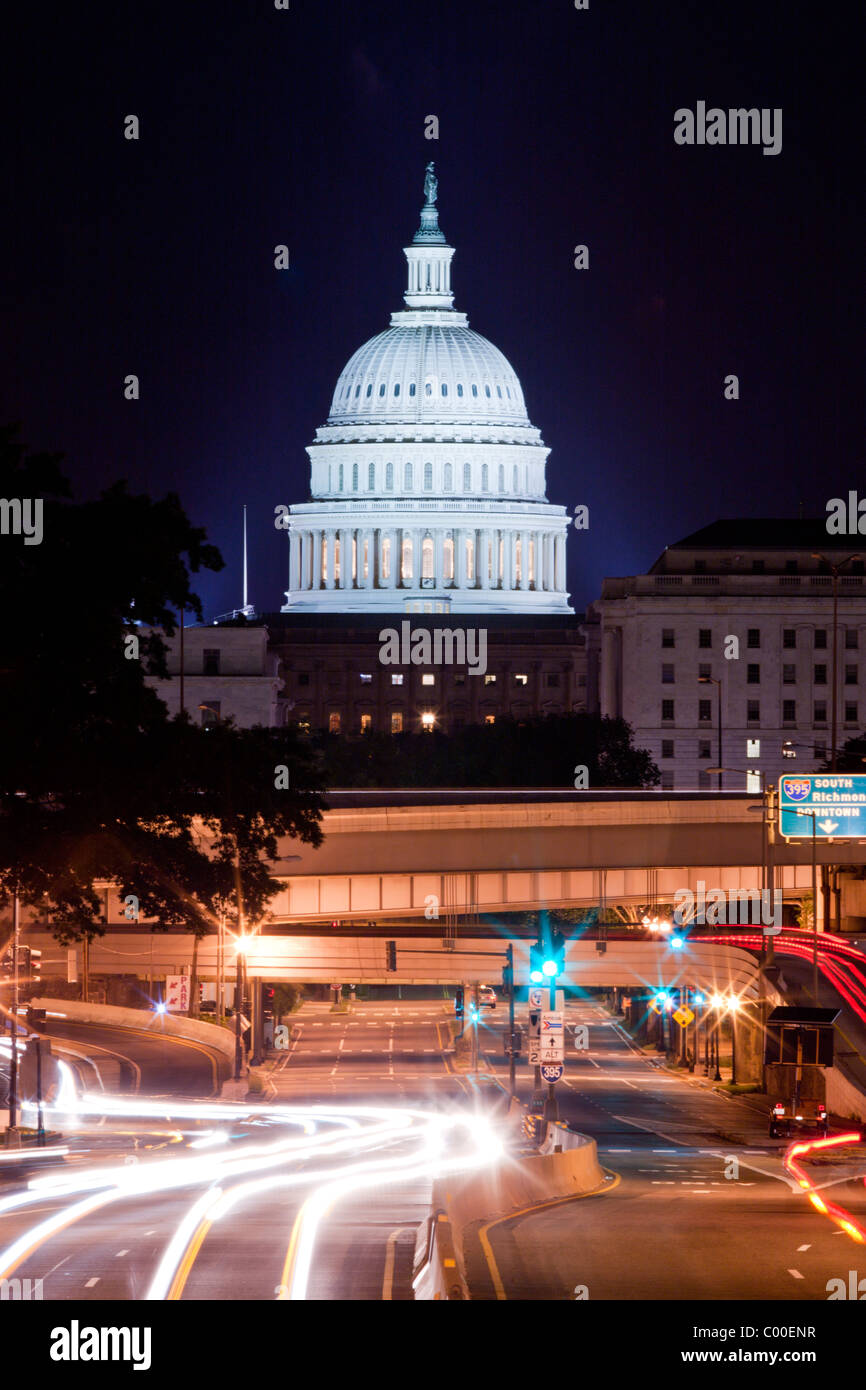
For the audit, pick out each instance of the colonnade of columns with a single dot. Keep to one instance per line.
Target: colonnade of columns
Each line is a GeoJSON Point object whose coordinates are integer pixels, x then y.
{"type": "Point", "coordinates": [471, 557]}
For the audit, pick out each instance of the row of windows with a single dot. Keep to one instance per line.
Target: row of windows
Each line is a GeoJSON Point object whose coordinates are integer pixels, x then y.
{"type": "Point", "coordinates": [447, 478]}
{"type": "Point", "coordinates": [705, 749]}
{"type": "Point", "coordinates": [753, 637]}
{"type": "Point", "coordinates": [429, 389]}
{"type": "Point", "coordinates": [753, 674]}
{"type": "Point", "coordinates": [428, 721]}
{"type": "Point", "coordinates": [551, 678]}
{"type": "Point", "coordinates": [753, 712]}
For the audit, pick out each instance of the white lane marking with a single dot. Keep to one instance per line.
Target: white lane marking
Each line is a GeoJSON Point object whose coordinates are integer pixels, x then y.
{"type": "Point", "coordinates": [801, 1248]}
{"type": "Point", "coordinates": [620, 1151]}
{"type": "Point", "coordinates": [120, 1253]}
{"type": "Point", "coordinates": [59, 1263]}
{"type": "Point", "coordinates": [795, 1273]}
{"type": "Point", "coordinates": [90, 1283]}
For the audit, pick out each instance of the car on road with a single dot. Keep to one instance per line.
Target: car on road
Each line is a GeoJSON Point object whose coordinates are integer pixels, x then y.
{"type": "Point", "coordinates": [486, 997]}
{"type": "Point", "coordinates": [806, 1117]}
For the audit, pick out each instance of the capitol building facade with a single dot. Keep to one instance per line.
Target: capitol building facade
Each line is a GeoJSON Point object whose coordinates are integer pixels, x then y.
{"type": "Point", "coordinates": [428, 479]}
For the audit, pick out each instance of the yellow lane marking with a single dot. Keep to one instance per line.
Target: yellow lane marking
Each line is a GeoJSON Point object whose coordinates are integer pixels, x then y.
{"type": "Point", "coordinates": [184, 1269]}
{"type": "Point", "coordinates": [512, 1215]}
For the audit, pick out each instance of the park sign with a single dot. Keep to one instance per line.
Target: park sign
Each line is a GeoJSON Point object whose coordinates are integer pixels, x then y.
{"type": "Point", "coordinates": [838, 800]}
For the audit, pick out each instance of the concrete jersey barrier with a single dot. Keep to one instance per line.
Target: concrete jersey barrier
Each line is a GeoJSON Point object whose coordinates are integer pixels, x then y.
{"type": "Point", "coordinates": [174, 1026]}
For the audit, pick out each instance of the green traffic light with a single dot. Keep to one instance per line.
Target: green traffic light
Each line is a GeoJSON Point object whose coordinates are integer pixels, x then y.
{"type": "Point", "coordinates": [549, 967]}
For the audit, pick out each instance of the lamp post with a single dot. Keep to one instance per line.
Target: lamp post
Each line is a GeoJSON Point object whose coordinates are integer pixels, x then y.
{"type": "Point", "coordinates": [813, 814]}
{"type": "Point", "coordinates": [717, 1002]}
{"type": "Point", "coordinates": [713, 680]}
{"type": "Point", "coordinates": [835, 571]}
{"type": "Point", "coordinates": [239, 969]}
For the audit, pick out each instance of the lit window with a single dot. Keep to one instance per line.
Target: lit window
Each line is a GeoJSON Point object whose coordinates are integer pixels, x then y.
{"type": "Point", "coordinates": [428, 679]}
{"type": "Point", "coordinates": [753, 748]}
{"type": "Point", "coordinates": [304, 721]}
{"type": "Point", "coordinates": [365, 677]}
{"type": "Point", "coordinates": [489, 679]}
{"type": "Point", "coordinates": [428, 721]}
{"type": "Point", "coordinates": [366, 722]}
{"type": "Point", "coordinates": [334, 722]}
{"type": "Point", "coordinates": [521, 679]}
{"type": "Point", "coordinates": [396, 722]}
{"type": "Point", "coordinates": [490, 719]}
{"type": "Point", "coordinates": [396, 679]}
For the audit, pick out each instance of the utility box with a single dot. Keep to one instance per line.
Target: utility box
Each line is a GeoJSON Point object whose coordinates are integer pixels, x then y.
{"type": "Point", "coordinates": [800, 1036]}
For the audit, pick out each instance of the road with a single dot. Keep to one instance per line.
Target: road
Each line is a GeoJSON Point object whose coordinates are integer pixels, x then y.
{"type": "Point", "coordinates": [150, 1062]}
{"type": "Point", "coordinates": [703, 1207]}
{"type": "Point", "coordinates": [200, 1200]}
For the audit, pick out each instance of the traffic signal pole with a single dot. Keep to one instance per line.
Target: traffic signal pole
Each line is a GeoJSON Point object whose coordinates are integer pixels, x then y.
{"type": "Point", "coordinates": [512, 1061]}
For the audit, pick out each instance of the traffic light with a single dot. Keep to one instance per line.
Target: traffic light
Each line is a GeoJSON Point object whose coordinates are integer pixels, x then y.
{"type": "Point", "coordinates": [536, 961]}
{"type": "Point", "coordinates": [507, 980]}
{"type": "Point", "coordinates": [391, 950]}
{"type": "Point", "coordinates": [553, 962]}
{"type": "Point", "coordinates": [458, 1001]}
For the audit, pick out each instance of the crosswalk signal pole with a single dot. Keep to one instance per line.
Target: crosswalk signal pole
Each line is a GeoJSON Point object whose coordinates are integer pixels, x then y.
{"type": "Point", "coordinates": [512, 1061]}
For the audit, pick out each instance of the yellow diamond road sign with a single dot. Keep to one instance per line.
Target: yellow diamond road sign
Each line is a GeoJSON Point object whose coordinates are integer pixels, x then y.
{"type": "Point", "coordinates": [684, 1017]}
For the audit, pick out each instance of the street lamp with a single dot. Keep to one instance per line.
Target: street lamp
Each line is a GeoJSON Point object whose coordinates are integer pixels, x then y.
{"type": "Point", "coordinates": [835, 570]}
{"type": "Point", "coordinates": [801, 811]}
{"type": "Point", "coordinates": [713, 680]}
{"type": "Point", "coordinates": [240, 950]}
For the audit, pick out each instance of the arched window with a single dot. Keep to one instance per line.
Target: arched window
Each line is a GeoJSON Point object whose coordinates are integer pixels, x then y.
{"type": "Point", "coordinates": [389, 477]}
{"type": "Point", "coordinates": [467, 477]}
{"type": "Point", "coordinates": [371, 476]}
{"type": "Point", "coordinates": [396, 388]}
{"type": "Point", "coordinates": [357, 390]}
{"type": "Point", "coordinates": [474, 389]}
{"type": "Point", "coordinates": [370, 389]}
{"type": "Point", "coordinates": [502, 477]}
{"type": "Point", "coordinates": [470, 559]}
{"type": "Point", "coordinates": [341, 477]}
{"type": "Point", "coordinates": [428, 477]}
{"type": "Point", "coordinates": [448, 559]}
{"type": "Point", "coordinates": [407, 477]}
{"type": "Point", "coordinates": [515, 485]}
{"type": "Point", "coordinates": [445, 388]}
{"type": "Point", "coordinates": [486, 391]}
{"type": "Point", "coordinates": [447, 479]}
{"type": "Point", "coordinates": [406, 570]}
{"type": "Point", "coordinates": [428, 388]}
{"type": "Point", "coordinates": [386, 557]}
{"type": "Point", "coordinates": [382, 388]}
{"type": "Point", "coordinates": [427, 558]}
{"type": "Point", "coordinates": [499, 392]}
{"type": "Point", "coordinates": [460, 388]}
{"type": "Point", "coordinates": [508, 392]}
{"type": "Point", "coordinates": [411, 388]}
{"type": "Point", "coordinates": [354, 477]}
{"type": "Point", "coordinates": [484, 477]}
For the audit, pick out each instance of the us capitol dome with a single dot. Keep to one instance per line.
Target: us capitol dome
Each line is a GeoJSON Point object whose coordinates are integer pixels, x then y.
{"type": "Point", "coordinates": [428, 478]}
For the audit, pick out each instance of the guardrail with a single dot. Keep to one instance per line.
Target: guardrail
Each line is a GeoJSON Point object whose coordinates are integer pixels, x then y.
{"type": "Point", "coordinates": [435, 1272]}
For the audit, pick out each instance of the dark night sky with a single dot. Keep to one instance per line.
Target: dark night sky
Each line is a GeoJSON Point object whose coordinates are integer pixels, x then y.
{"type": "Point", "coordinates": [556, 127]}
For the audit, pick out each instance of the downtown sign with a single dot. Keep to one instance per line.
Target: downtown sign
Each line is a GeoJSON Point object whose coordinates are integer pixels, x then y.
{"type": "Point", "coordinates": [838, 800]}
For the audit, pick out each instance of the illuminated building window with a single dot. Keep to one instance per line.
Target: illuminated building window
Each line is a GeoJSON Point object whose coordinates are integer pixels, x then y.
{"type": "Point", "coordinates": [428, 721]}
{"type": "Point", "coordinates": [366, 722]}
{"type": "Point", "coordinates": [396, 722]}
{"type": "Point", "coordinates": [521, 679]}
{"type": "Point", "coordinates": [365, 677]}
{"type": "Point", "coordinates": [489, 718]}
{"type": "Point", "coordinates": [428, 679]}
{"type": "Point", "coordinates": [334, 722]}
{"type": "Point", "coordinates": [396, 679]}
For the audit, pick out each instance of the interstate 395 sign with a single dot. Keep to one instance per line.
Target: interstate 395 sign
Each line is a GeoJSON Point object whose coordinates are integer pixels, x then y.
{"type": "Point", "coordinates": [837, 799]}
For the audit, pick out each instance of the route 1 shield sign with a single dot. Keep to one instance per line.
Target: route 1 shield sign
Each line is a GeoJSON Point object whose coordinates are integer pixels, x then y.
{"type": "Point", "coordinates": [551, 1071]}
